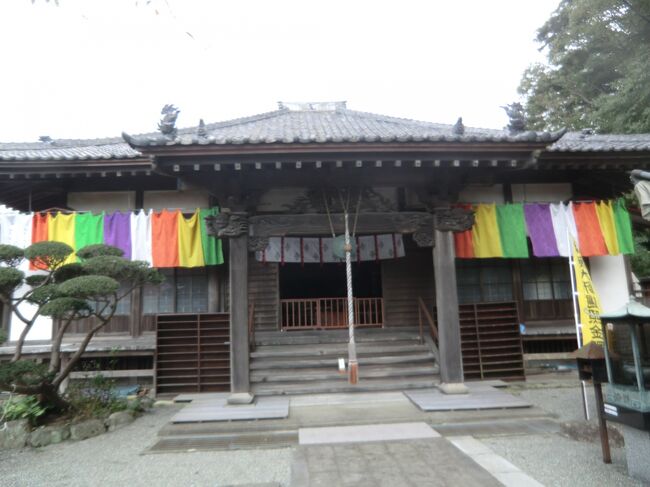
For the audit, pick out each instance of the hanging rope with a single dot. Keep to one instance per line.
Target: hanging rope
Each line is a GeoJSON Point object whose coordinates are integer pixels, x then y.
{"type": "Point", "coordinates": [329, 216]}
{"type": "Point", "coordinates": [356, 213]}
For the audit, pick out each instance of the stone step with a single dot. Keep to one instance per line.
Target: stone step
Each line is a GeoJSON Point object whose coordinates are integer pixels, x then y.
{"type": "Point", "coordinates": [320, 374]}
{"type": "Point", "coordinates": [332, 387]}
{"type": "Point", "coordinates": [339, 349]}
{"type": "Point", "coordinates": [333, 336]}
{"type": "Point", "coordinates": [284, 362]}
{"type": "Point", "coordinates": [228, 441]}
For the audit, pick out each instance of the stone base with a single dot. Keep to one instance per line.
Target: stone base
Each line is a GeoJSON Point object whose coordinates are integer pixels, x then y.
{"type": "Point", "coordinates": [240, 398]}
{"type": "Point", "coordinates": [453, 388]}
{"type": "Point", "coordinates": [637, 451]}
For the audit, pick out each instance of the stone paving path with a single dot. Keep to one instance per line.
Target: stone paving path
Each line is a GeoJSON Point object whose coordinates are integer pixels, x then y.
{"type": "Point", "coordinates": [413, 463]}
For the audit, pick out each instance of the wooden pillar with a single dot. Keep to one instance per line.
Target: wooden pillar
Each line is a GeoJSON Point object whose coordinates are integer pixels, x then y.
{"type": "Point", "coordinates": [239, 358]}
{"type": "Point", "coordinates": [451, 364]}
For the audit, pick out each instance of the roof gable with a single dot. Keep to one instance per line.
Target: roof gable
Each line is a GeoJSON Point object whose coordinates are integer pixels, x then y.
{"type": "Point", "coordinates": [323, 123]}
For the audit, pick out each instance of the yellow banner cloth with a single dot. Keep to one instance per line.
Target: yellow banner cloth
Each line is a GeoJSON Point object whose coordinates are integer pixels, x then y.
{"type": "Point", "coordinates": [190, 247]}
{"type": "Point", "coordinates": [60, 228]}
{"type": "Point", "coordinates": [605, 214]}
{"type": "Point", "coordinates": [588, 301]}
{"type": "Point", "coordinates": [485, 233]}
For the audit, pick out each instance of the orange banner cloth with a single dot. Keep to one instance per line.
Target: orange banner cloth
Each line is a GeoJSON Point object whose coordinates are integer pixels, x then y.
{"type": "Point", "coordinates": [39, 227]}
{"type": "Point", "coordinates": [463, 242]}
{"type": "Point", "coordinates": [590, 234]}
{"type": "Point", "coordinates": [164, 238]}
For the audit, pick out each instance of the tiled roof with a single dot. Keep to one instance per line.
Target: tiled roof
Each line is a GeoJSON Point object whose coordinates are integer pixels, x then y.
{"type": "Point", "coordinates": [68, 150]}
{"type": "Point", "coordinates": [320, 123]}
{"type": "Point", "coordinates": [588, 142]}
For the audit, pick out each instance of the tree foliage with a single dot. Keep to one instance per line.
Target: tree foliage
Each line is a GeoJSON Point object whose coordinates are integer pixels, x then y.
{"type": "Point", "coordinates": [597, 73]}
{"type": "Point", "coordinates": [91, 288]}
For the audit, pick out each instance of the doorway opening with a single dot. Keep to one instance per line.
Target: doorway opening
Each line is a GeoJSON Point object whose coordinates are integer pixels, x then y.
{"type": "Point", "coordinates": [314, 295]}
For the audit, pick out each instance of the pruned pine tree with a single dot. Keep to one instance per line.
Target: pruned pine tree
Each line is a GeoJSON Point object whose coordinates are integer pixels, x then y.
{"type": "Point", "coordinates": [66, 292]}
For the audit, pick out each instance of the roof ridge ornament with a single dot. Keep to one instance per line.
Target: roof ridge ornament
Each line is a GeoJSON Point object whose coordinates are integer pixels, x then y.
{"type": "Point", "coordinates": [201, 130]}
{"type": "Point", "coordinates": [458, 128]}
{"type": "Point", "coordinates": [517, 118]}
{"type": "Point", "coordinates": [312, 106]}
{"type": "Point", "coordinates": [167, 124]}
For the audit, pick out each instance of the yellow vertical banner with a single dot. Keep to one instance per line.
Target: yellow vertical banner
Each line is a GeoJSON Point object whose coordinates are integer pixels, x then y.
{"type": "Point", "coordinates": [60, 228]}
{"type": "Point", "coordinates": [588, 301]}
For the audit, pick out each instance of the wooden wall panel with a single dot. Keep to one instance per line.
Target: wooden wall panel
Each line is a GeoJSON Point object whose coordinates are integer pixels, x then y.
{"type": "Point", "coordinates": [403, 281]}
{"type": "Point", "coordinates": [263, 290]}
{"type": "Point", "coordinates": [118, 325]}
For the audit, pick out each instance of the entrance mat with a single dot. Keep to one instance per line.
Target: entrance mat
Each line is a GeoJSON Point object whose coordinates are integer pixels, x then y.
{"type": "Point", "coordinates": [479, 397]}
{"type": "Point", "coordinates": [365, 433]}
{"type": "Point", "coordinates": [216, 408]}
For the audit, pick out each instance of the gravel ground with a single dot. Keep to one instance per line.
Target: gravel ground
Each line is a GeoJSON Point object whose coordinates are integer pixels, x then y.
{"type": "Point", "coordinates": [555, 460]}
{"type": "Point", "coordinates": [116, 459]}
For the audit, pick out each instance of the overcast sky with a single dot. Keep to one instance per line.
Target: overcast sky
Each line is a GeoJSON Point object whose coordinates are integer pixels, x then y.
{"type": "Point", "coordinates": [91, 68]}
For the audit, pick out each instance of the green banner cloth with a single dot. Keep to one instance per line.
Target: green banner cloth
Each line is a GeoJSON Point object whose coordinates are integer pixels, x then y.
{"type": "Point", "coordinates": [512, 229]}
{"type": "Point", "coordinates": [212, 251]}
{"type": "Point", "coordinates": [88, 230]}
{"type": "Point", "coordinates": [623, 228]}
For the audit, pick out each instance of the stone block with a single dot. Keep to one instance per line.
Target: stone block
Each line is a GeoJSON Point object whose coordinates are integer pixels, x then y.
{"type": "Point", "coordinates": [119, 419]}
{"type": "Point", "coordinates": [146, 402]}
{"type": "Point", "coordinates": [453, 388]}
{"type": "Point", "coordinates": [239, 398]}
{"type": "Point", "coordinates": [87, 429]}
{"type": "Point", "coordinates": [162, 403]}
{"type": "Point", "coordinates": [637, 451]}
{"type": "Point", "coordinates": [47, 435]}
{"type": "Point", "coordinates": [14, 434]}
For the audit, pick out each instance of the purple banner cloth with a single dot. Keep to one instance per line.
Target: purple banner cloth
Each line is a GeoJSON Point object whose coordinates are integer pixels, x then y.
{"type": "Point", "coordinates": [540, 230]}
{"type": "Point", "coordinates": [117, 232]}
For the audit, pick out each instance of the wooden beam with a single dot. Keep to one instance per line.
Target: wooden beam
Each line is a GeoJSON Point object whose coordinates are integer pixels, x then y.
{"type": "Point", "coordinates": [278, 165]}
{"type": "Point", "coordinates": [318, 224]}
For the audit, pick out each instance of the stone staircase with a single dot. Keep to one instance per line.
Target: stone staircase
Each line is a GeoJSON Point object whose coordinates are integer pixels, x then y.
{"type": "Point", "coordinates": [306, 362]}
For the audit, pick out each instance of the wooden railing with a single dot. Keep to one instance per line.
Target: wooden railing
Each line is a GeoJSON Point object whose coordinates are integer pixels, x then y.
{"type": "Point", "coordinates": [423, 312]}
{"type": "Point", "coordinates": [330, 313]}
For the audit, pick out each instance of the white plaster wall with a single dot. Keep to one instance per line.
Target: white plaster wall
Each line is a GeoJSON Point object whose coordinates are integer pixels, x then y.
{"type": "Point", "coordinates": [541, 193]}
{"type": "Point", "coordinates": [481, 193]}
{"type": "Point", "coordinates": [183, 200]}
{"type": "Point", "coordinates": [41, 329]}
{"type": "Point", "coordinates": [99, 201]}
{"type": "Point", "coordinates": [610, 280]}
